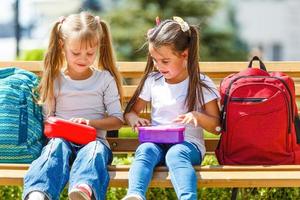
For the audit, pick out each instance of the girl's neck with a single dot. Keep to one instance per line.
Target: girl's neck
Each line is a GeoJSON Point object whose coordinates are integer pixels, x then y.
{"type": "Point", "coordinates": [78, 76]}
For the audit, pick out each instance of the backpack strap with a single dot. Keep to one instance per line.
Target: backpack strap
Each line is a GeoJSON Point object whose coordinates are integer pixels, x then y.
{"type": "Point", "coordinates": [297, 127]}
{"type": "Point", "coordinates": [261, 64]}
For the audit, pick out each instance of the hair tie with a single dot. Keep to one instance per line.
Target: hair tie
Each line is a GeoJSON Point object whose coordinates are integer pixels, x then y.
{"type": "Point", "coordinates": [97, 19]}
{"type": "Point", "coordinates": [157, 20]}
{"type": "Point", "coordinates": [183, 24]}
{"type": "Point", "coordinates": [61, 19]}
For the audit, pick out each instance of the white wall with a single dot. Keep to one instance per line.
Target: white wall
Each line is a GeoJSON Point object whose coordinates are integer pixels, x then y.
{"type": "Point", "coordinates": [266, 23]}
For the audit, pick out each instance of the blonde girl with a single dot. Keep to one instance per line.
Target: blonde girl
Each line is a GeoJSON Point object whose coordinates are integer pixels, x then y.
{"type": "Point", "coordinates": [80, 82]}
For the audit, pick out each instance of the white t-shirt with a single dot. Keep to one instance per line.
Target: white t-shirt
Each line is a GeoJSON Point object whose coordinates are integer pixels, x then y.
{"type": "Point", "coordinates": [168, 101]}
{"type": "Point", "coordinates": [92, 98]}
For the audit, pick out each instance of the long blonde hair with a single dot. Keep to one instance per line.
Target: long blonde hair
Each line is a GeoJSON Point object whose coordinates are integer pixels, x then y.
{"type": "Point", "coordinates": [88, 29]}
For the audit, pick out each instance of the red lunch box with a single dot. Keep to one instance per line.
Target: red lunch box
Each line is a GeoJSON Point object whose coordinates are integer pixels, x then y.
{"type": "Point", "coordinates": [70, 131]}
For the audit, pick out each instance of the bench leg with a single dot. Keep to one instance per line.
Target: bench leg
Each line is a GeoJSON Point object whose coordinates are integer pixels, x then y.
{"type": "Point", "coordinates": [234, 193]}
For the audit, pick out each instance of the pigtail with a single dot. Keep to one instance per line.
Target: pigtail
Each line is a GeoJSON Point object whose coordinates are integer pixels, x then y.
{"type": "Point", "coordinates": [107, 59]}
{"type": "Point", "coordinates": [194, 88]}
{"type": "Point", "coordinates": [149, 68]}
{"type": "Point", "coordinates": [53, 62]}
{"type": "Point", "coordinates": [195, 98]}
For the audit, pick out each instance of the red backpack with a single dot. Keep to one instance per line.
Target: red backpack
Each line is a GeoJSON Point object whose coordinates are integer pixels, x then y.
{"type": "Point", "coordinates": [260, 123]}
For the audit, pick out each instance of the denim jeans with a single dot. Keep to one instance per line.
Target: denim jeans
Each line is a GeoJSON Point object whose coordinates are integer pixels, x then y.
{"type": "Point", "coordinates": [179, 158]}
{"type": "Point", "coordinates": [62, 161]}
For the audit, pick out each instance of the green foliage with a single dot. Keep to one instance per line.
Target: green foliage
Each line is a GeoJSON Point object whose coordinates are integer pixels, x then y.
{"type": "Point", "coordinates": [10, 192]}
{"type": "Point", "coordinates": [131, 21]}
{"type": "Point", "coordinates": [222, 46]}
{"type": "Point", "coordinates": [127, 132]}
{"type": "Point", "coordinates": [33, 54]}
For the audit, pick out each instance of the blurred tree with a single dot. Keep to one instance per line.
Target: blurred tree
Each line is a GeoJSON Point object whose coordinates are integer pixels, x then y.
{"type": "Point", "coordinates": [94, 5]}
{"type": "Point", "coordinates": [131, 19]}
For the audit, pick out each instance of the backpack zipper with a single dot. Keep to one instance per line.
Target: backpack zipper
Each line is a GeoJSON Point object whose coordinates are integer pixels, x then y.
{"type": "Point", "coordinates": [238, 99]}
{"type": "Point", "coordinates": [225, 107]}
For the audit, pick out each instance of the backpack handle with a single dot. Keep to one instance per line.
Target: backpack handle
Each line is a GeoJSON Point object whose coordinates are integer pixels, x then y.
{"type": "Point", "coordinates": [261, 64]}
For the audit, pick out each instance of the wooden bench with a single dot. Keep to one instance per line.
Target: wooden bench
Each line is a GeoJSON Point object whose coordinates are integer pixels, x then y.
{"type": "Point", "coordinates": [208, 176]}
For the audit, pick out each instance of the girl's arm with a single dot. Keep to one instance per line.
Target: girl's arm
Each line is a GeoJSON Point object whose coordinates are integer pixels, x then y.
{"type": "Point", "coordinates": [132, 117]}
{"type": "Point", "coordinates": [208, 119]}
{"type": "Point", "coordinates": [108, 123]}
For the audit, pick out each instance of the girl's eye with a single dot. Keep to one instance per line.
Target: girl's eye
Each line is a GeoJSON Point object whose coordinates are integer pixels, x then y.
{"type": "Point", "coordinates": [75, 54]}
{"type": "Point", "coordinates": [90, 54]}
{"type": "Point", "coordinates": [165, 62]}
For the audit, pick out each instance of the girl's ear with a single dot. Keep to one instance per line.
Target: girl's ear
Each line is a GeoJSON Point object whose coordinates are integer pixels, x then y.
{"type": "Point", "coordinates": [185, 54]}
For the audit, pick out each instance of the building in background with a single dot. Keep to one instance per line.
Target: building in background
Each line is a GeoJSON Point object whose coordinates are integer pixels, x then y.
{"type": "Point", "coordinates": [271, 26]}
{"type": "Point", "coordinates": [36, 18]}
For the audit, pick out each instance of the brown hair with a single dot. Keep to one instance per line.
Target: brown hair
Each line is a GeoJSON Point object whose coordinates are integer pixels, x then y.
{"type": "Point", "coordinates": [170, 33]}
{"type": "Point", "coordinates": [88, 29]}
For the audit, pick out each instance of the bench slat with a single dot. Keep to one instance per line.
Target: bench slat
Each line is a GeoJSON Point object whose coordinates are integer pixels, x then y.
{"type": "Point", "coordinates": [130, 89]}
{"type": "Point", "coordinates": [212, 69]}
{"type": "Point", "coordinates": [208, 176]}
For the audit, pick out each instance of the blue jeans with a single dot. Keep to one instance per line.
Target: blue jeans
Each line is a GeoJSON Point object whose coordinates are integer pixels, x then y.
{"type": "Point", "coordinates": [179, 158]}
{"type": "Point", "coordinates": [62, 161]}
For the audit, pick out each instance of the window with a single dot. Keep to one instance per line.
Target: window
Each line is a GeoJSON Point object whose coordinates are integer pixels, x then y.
{"type": "Point", "coordinates": [277, 52]}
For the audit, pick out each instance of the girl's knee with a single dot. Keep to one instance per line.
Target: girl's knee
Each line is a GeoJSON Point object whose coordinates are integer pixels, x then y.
{"type": "Point", "coordinates": [177, 153]}
{"type": "Point", "coordinates": [172, 156]}
{"type": "Point", "coordinates": [95, 147]}
{"type": "Point", "coordinates": [58, 145]}
{"type": "Point", "coordinates": [148, 149]}
{"type": "Point", "coordinates": [95, 150]}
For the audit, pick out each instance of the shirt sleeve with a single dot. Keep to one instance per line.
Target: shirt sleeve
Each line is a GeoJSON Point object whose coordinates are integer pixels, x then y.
{"type": "Point", "coordinates": [210, 93]}
{"type": "Point", "coordinates": [112, 99]}
{"type": "Point", "coordinates": [146, 91]}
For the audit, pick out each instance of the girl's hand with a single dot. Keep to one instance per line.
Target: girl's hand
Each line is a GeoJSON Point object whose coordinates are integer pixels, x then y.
{"type": "Point", "coordinates": [188, 118]}
{"type": "Point", "coordinates": [139, 122]}
{"type": "Point", "coordinates": [80, 121]}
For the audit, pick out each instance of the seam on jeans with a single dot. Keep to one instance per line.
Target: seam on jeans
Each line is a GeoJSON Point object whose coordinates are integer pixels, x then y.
{"type": "Point", "coordinates": [174, 184]}
{"type": "Point", "coordinates": [106, 180]}
{"type": "Point", "coordinates": [50, 149]}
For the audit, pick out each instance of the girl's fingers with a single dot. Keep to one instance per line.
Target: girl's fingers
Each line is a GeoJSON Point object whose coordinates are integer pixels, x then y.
{"type": "Point", "coordinates": [135, 129]}
{"type": "Point", "coordinates": [147, 122]}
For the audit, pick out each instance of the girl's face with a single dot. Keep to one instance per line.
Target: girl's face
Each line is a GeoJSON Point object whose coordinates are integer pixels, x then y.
{"type": "Point", "coordinates": [79, 56]}
{"type": "Point", "coordinates": [171, 65]}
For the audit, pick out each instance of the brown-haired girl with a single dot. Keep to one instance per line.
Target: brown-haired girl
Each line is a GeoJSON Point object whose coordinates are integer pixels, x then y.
{"type": "Point", "coordinates": [178, 94]}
